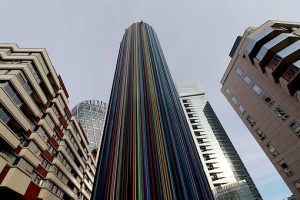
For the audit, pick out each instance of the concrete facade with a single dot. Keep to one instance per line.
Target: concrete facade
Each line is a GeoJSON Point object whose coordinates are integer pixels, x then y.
{"type": "Point", "coordinates": [43, 149]}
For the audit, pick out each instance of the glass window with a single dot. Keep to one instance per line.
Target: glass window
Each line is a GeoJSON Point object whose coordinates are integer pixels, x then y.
{"type": "Point", "coordinates": [286, 168]}
{"type": "Point", "coordinates": [228, 92]}
{"type": "Point", "coordinates": [234, 100]}
{"type": "Point", "coordinates": [12, 94]}
{"type": "Point", "coordinates": [251, 121]}
{"type": "Point", "coordinates": [247, 79]}
{"type": "Point", "coordinates": [256, 89]}
{"type": "Point", "coordinates": [242, 109]}
{"type": "Point", "coordinates": [54, 189]}
{"type": "Point", "coordinates": [268, 100]}
{"type": "Point", "coordinates": [4, 71]}
{"type": "Point", "coordinates": [4, 116]}
{"type": "Point", "coordinates": [297, 185]}
{"type": "Point", "coordinates": [272, 149]}
{"type": "Point", "coordinates": [239, 72]}
{"type": "Point", "coordinates": [261, 134]}
{"type": "Point", "coordinates": [295, 127]}
{"type": "Point", "coordinates": [24, 82]}
{"type": "Point", "coordinates": [281, 113]}
{"type": "Point", "coordinates": [35, 73]}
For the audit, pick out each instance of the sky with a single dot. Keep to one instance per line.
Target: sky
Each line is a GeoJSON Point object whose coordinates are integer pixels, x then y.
{"type": "Point", "coordinates": [82, 39]}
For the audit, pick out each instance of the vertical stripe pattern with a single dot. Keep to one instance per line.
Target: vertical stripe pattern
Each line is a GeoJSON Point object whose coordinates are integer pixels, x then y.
{"type": "Point", "coordinates": [147, 149]}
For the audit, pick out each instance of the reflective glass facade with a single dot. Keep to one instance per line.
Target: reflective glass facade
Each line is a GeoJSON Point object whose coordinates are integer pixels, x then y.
{"type": "Point", "coordinates": [91, 114]}
{"type": "Point", "coordinates": [222, 163]}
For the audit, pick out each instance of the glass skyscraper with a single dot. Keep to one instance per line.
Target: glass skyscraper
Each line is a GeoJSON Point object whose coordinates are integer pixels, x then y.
{"type": "Point", "coordinates": [222, 164]}
{"type": "Point", "coordinates": [91, 114]}
{"type": "Point", "coordinates": [147, 151]}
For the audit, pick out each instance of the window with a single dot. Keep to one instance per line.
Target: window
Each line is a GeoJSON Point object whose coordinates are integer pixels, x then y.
{"type": "Point", "coordinates": [54, 189]}
{"type": "Point", "coordinates": [239, 72]}
{"type": "Point", "coordinates": [24, 82]}
{"type": "Point", "coordinates": [35, 73]}
{"type": "Point", "coordinates": [272, 149]}
{"type": "Point", "coordinates": [234, 100]}
{"type": "Point", "coordinates": [256, 89]}
{"type": "Point", "coordinates": [251, 121]}
{"type": "Point", "coordinates": [297, 185]}
{"type": "Point", "coordinates": [261, 134]}
{"type": "Point", "coordinates": [4, 116]}
{"type": "Point", "coordinates": [286, 168]}
{"type": "Point", "coordinates": [268, 100]}
{"type": "Point", "coordinates": [242, 109]}
{"type": "Point", "coordinates": [4, 71]}
{"type": "Point", "coordinates": [228, 92]}
{"type": "Point", "coordinates": [295, 127]}
{"type": "Point", "coordinates": [12, 94]}
{"type": "Point", "coordinates": [247, 80]}
{"type": "Point", "coordinates": [281, 113]}
{"type": "Point", "coordinates": [38, 180]}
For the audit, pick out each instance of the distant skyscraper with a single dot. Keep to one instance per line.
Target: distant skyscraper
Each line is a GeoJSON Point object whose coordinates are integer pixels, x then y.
{"type": "Point", "coordinates": [262, 83]}
{"type": "Point", "coordinates": [147, 151]}
{"type": "Point", "coordinates": [222, 163]}
{"type": "Point", "coordinates": [91, 114]}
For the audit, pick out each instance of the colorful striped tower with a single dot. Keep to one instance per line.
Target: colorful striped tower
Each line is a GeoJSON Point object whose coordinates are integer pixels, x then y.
{"type": "Point", "coordinates": [147, 150]}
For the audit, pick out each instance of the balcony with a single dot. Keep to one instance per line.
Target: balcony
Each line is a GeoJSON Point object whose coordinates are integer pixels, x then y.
{"type": "Point", "coordinates": [257, 41]}
{"type": "Point", "coordinates": [290, 81]}
{"type": "Point", "coordinates": [272, 47]}
{"type": "Point", "coordinates": [282, 60]}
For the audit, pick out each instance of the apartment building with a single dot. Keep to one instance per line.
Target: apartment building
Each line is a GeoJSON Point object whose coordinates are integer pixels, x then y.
{"type": "Point", "coordinates": [43, 149]}
{"type": "Point", "coordinates": [262, 84]}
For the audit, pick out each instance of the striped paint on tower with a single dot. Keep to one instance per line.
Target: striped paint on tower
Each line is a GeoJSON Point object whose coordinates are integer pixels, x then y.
{"type": "Point", "coordinates": [147, 150]}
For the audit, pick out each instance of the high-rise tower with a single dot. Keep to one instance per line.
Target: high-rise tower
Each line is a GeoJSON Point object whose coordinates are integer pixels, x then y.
{"type": "Point", "coordinates": [147, 150]}
{"type": "Point", "coordinates": [262, 84]}
{"type": "Point", "coordinates": [222, 164]}
{"type": "Point", "coordinates": [91, 114]}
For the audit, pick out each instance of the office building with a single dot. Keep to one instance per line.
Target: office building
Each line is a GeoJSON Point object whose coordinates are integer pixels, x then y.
{"type": "Point", "coordinates": [91, 114]}
{"type": "Point", "coordinates": [262, 84]}
{"type": "Point", "coordinates": [147, 150]}
{"type": "Point", "coordinates": [222, 164]}
{"type": "Point", "coordinates": [43, 149]}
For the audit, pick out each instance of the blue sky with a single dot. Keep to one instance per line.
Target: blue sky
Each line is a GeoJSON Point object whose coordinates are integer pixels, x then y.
{"type": "Point", "coordinates": [83, 37]}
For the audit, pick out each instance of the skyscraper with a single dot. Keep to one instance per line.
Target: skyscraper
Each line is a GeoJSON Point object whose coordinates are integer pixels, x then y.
{"type": "Point", "coordinates": [147, 150]}
{"type": "Point", "coordinates": [43, 150]}
{"type": "Point", "coordinates": [262, 84]}
{"type": "Point", "coordinates": [221, 162]}
{"type": "Point", "coordinates": [91, 114]}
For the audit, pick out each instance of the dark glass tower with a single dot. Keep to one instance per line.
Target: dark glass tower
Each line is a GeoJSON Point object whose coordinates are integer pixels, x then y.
{"type": "Point", "coordinates": [147, 150]}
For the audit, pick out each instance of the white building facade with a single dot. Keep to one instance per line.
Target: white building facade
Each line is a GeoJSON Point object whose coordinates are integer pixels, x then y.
{"type": "Point", "coordinates": [222, 164]}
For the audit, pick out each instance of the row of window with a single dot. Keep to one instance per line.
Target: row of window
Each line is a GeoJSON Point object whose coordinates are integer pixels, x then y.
{"type": "Point", "coordinates": [53, 188]}
{"type": "Point", "coordinates": [59, 174]}
{"type": "Point", "coordinates": [261, 134]}
{"type": "Point", "coordinates": [247, 79]}
{"type": "Point", "coordinates": [62, 159]}
{"type": "Point", "coordinates": [10, 91]}
{"type": "Point", "coordinates": [283, 115]}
